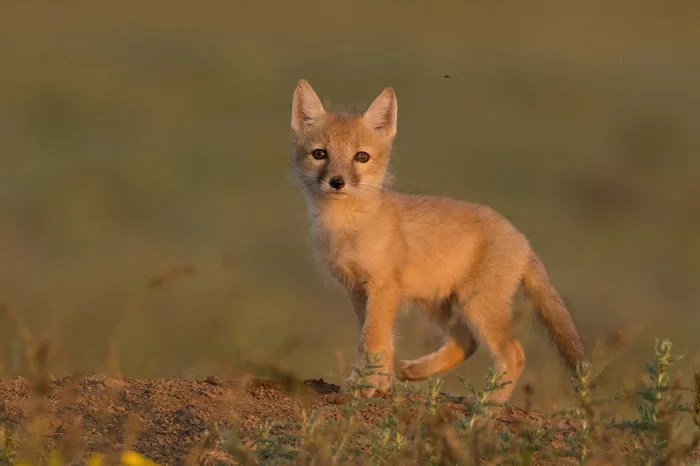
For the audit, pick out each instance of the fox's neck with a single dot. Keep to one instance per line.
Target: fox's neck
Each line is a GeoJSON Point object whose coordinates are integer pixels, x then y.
{"type": "Point", "coordinates": [343, 215]}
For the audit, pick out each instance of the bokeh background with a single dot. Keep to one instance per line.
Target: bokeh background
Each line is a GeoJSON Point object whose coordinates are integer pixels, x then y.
{"type": "Point", "coordinates": [139, 136]}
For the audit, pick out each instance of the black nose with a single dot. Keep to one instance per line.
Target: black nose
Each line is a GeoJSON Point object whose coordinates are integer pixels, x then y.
{"type": "Point", "coordinates": [337, 182]}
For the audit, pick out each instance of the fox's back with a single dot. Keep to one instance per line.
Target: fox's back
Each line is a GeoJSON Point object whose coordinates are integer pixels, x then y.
{"type": "Point", "coordinates": [448, 237]}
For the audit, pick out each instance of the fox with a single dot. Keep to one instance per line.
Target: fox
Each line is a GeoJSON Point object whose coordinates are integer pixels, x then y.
{"type": "Point", "coordinates": [460, 262]}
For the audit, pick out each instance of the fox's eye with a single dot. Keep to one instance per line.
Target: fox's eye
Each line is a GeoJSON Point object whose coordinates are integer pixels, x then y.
{"type": "Point", "coordinates": [362, 157]}
{"type": "Point", "coordinates": [319, 154]}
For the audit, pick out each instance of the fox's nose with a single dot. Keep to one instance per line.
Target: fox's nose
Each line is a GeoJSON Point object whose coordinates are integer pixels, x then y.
{"type": "Point", "coordinates": [337, 182]}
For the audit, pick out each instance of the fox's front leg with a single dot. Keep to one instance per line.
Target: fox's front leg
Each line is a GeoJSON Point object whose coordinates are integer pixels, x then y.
{"type": "Point", "coordinates": [376, 313]}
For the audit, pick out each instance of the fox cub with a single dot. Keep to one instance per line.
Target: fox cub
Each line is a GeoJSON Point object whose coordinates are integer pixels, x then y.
{"type": "Point", "coordinates": [461, 263]}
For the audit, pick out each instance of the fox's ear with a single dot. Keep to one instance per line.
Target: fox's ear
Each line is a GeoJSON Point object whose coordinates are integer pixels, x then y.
{"type": "Point", "coordinates": [381, 115]}
{"type": "Point", "coordinates": [306, 106]}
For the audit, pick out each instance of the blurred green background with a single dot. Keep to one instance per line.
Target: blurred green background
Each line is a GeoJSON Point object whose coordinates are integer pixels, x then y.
{"type": "Point", "coordinates": [136, 136]}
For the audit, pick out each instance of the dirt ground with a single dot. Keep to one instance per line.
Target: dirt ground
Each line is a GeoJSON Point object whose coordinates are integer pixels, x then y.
{"type": "Point", "coordinates": [167, 420]}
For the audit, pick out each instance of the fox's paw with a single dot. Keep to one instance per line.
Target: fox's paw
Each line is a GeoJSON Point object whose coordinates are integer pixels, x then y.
{"type": "Point", "coordinates": [368, 385]}
{"type": "Point", "coordinates": [414, 370]}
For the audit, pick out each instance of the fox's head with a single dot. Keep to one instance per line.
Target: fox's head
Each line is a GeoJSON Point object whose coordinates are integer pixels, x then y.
{"type": "Point", "coordinates": [338, 155]}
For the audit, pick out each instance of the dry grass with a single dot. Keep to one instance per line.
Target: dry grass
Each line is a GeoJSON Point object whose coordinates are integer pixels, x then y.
{"type": "Point", "coordinates": [329, 427]}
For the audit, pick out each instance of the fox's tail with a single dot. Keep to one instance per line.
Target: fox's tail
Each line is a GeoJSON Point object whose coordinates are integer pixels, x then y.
{"type": "Point", "coordinates": [552, 313]}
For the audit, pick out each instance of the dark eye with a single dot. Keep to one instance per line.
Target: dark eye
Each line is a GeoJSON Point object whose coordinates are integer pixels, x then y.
{"type": "Point", "coordinates": [319, 154]}
{"type": "Point", "coordinates": [362, 157]}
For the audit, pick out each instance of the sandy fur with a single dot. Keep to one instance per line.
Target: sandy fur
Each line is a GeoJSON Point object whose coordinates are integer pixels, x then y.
{"type": "Point", "coordinates": [460, 262]}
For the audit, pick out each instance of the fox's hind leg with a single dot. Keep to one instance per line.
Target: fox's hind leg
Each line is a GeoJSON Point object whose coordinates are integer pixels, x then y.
{"type": "Point", "coordinates": [486, 306]}
{"type": "Point", "coordinates": [459, 345]}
